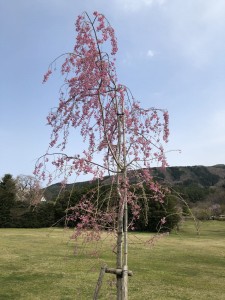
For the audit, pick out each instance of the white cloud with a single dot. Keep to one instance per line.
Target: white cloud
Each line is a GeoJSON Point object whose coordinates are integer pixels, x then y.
{"type": "Point", "coordinates": [196, 29]}
{"type": "Point", "coordinates": [134, 56]}
{"type": "Point", "coordinates": [135, 5]}
{"type": "Point", "coordinates": [217, 127]}
{"type": "Point", "coordinates": [150, 53]}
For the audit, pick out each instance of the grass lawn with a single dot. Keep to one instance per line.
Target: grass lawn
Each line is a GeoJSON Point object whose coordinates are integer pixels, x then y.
{"type": "Point", "coordinates": [40, 264]}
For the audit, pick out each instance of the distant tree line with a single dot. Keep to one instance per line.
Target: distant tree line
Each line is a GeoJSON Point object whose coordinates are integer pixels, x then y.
{"type": "Point", "coordinates": [206, 203]}
{"type": "Point", "coordinates": [21, 207]}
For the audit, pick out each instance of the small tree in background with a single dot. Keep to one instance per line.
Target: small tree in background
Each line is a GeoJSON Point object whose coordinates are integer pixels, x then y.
{"type": "Point", "coordinates": [122, 139]}
{"type": "Point", "coordinates": [28, 189]}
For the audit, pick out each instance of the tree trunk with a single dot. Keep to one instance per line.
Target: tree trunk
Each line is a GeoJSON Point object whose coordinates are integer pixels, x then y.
{"type": "Point", "coordinates": [119, 256]}
{"type": "Point", "coordinates": [125, 263]}
{"type": "Point", "coordinates": [122, 240]}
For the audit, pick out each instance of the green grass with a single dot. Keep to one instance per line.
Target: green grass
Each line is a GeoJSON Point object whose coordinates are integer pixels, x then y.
{"type": "Point", "coordinates": [40, 264]}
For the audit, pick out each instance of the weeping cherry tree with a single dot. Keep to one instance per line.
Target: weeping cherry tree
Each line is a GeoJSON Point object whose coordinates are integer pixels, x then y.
{"type": "Point", "coordinates": [121, 139]}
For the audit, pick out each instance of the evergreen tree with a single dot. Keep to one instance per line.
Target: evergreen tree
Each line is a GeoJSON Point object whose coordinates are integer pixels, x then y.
{"type": "Point", "coordinates": [7, 199]}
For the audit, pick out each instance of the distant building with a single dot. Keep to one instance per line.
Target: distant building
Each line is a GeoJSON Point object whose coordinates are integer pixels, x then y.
{"type": "Point", "coordinates": [43, 199]}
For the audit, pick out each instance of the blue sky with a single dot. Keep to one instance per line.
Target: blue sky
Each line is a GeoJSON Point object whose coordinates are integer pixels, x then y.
{"type": "Point", "coordinates": [171, 55]}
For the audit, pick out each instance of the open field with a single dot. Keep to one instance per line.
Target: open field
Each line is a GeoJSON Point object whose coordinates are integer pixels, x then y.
{"type": "Point", "coordinates": [40, 264]}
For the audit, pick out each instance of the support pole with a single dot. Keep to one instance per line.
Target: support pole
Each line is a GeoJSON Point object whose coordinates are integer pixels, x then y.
{"type": "Point", "coordinates": [99, 282]}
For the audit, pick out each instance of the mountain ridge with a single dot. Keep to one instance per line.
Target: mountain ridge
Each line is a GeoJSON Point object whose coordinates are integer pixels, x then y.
{"type": "Point", "coordinates": [203, 176]}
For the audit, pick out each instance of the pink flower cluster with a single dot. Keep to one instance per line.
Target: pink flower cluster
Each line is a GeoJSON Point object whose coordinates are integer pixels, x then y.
{"type": "Point", "coordinates": [89, 220]}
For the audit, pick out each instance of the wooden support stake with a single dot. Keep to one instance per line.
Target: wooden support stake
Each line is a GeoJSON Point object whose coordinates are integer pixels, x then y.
{"type": "Point", "coordinates": [104, 269]}
{"type": "Point", "coordinates": [99, 283]}
{"type": "Point", "coordinates": [117, 271]}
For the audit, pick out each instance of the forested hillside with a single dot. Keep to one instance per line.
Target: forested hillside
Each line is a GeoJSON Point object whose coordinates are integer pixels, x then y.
{"type": "Point", "coordinates": [184, 178]}
{"type": "Point", "coordinates": [202, 176]}
{"type": "Point", "coordinates": [201, 188]}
